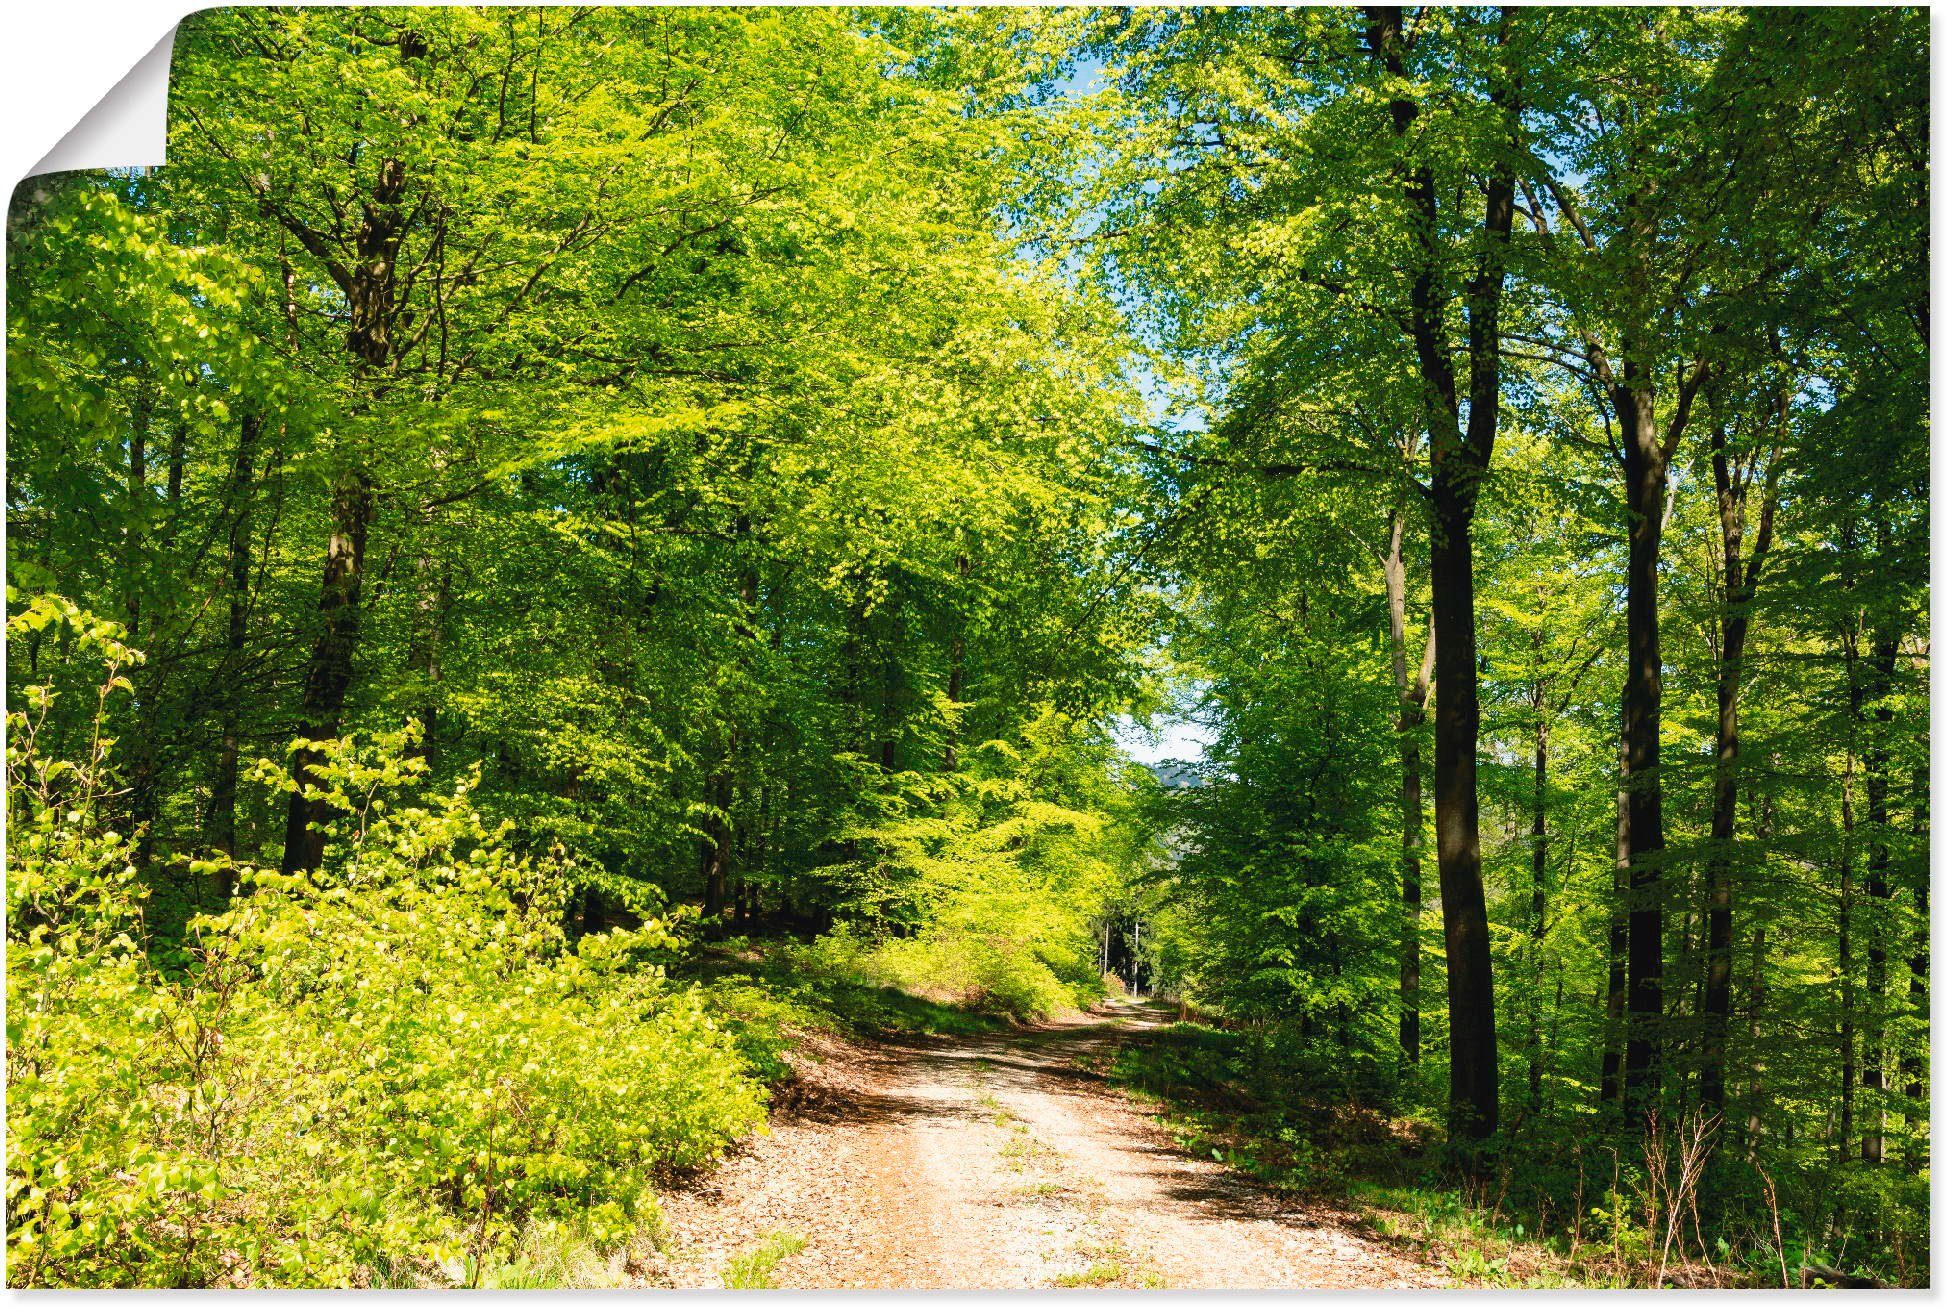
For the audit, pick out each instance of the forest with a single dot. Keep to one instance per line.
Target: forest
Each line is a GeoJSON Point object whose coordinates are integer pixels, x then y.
{"type": "Point", "coordinates": [555, 553]}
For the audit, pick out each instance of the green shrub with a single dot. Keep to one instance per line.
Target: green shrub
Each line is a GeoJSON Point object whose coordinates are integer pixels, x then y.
{"type": "Point", "coordinates": [386, 1072]}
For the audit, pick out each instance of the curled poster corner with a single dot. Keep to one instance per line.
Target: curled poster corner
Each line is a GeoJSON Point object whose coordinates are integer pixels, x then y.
{"type": "Point", "coordinates": [128, 127]}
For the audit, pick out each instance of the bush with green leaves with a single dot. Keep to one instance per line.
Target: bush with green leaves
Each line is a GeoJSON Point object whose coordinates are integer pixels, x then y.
{"type": "Point", "coordinates": [384, 1071]}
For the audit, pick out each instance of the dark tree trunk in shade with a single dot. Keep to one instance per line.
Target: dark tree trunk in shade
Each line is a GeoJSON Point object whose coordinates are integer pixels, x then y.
{"type": "Point", "coordinates": [717, 859]}
{"type": "Point", "coordinates": [223, 788]}
{"type": "Point", "coordinates": [142, 747]}
{"type": "Point", "coordinates": [424, 647]}
{"type": "Point", "coordinates": [1640, 719]}
{"type": "Point", "coordinates": [1917, 1111]}
{"type": "Point", "coordinates": [1467, 932]}
{"type": "Point", "coordinates": [1732, 482]}
{"type": "Point", "coordinates": [178, 452]}
{"type": "Point", "coordinates": [1758, 996]}
{"type": "Point", "coordinates": [372, 304]}
{"type": "Point", "coordinates": [1627, 385]}
{"type": "Point", "coordinates": [1460, 453]}
{"type": "Point", "coordinates": [329, 673]}
{"type": "Point", "coordinates": [1847, 961]}
{"type": "Point", "coordinates": [1877, 882]}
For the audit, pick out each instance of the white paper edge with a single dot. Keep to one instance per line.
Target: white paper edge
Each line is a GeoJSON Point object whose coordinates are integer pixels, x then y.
{"type": "Point", "coordinates": [128, 127]}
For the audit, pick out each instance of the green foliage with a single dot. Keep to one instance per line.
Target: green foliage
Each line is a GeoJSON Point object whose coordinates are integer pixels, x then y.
{"type": "Point", "coordinates": [982, 887]}
{"type": "Point", "coordinates": [379, 1074]}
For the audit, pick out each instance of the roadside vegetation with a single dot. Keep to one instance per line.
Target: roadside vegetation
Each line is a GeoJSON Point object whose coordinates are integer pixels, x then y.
{"type": "Point", "coordinates": [1591, 1209]}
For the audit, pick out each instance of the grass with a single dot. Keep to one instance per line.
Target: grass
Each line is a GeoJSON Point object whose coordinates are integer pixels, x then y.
{"type": "Point", "coordinates": [1042, 1189]}
{"type": "Point", "coordinates": [562, 1255]}
{"type": "Point", "coordinates": [999, 1114]}
{"type": "Point", "coordinates": [754, 1268]}
{"type": "Point", "coordinates": [1021, 1150]}
{"type": "Point", "coordinates": [1096, 1276]}
{"type": "Point", "coordinates": [1106, 1274]}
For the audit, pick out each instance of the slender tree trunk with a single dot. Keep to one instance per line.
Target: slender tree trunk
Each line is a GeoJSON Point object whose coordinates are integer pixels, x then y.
{"type": "Point", "coordinates": [1738, 596]}
{"type": "Point", "coordinates": [430, 605]}
{"type": "Point", "coordinates": [1647, 451]}
{"type": "Point", "coordinates": [1847, 966]}
{"type": "Point", "coordinates": [141, 750]}
{"type": "Point", "coordinates": [1411, 698]}
{"type": "Point", "coordinates": [135, 538]}
{"type": "Point", "coordinates": [1535, 1055]}
{"type": "Point", "coordinates": [1757, 997]}
{"type": "Point", "coordinates": [1877, 886]}
{"type": "Point", "coordinates": [179, 438]}
{"type": "Point", "coordinates": [1716, 996]}
{"type": "Point", "coordinates": [223, 788]}
{"type": "Point", "coordinates": [718, 859]}
{"type": "Point", "coordinates": [717, 855]}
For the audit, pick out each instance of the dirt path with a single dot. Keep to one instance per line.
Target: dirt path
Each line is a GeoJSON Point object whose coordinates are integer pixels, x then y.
{"type": "Point", "coordinates": [1001, 1162]}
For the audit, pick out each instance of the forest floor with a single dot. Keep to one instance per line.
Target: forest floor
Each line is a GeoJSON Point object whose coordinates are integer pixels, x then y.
{"type": "Point", "coordinates": [1000, 1161]}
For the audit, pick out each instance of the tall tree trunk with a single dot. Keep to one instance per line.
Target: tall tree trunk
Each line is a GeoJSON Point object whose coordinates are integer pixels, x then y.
{"type": "Point", "coordinates": [1847, 966]}
{"type": "Point", "coordinates": [1877, 885]}
{"type": "Point", "coordinates": [1535, 1036]}
{"type": "Point", "coordinates": [371, 306]}
{"type": "Point", "coordinates": [1757, 996]}
{"type": "Point", "coordinates": [887, 703]}
{"type": "Point", "coordinates": [1647, 452]}
{"type": "Point", "coordinates": [329, 674]}
{"type": "Point", "coordinates": [1640, 726]}
{"type": "Point", "coordinates": [1460, 453]}
{"type": "Point", "coordinates": [718, 856]}
{"type": "Point", "coordinates": [178, 452]}
{"type": "Point", "coordinates": [1411, 697]}
{"type": "Point", "coordinates": [134, 539]}
{"type": "Point", "coordinates": [135, 548]}
{"type": "Point", "coordinates": [1738, 596]}
{"type": "Point", "coordinates": [223, 788]}
{"type": "Point", "coordinates": [1467, 930]}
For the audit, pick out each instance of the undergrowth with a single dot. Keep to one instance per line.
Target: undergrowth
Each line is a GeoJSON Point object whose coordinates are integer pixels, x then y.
{"type": "Point", "coordinates": [1551, 1204]}
{"type": "Point", "coordinates": [399, 1069]}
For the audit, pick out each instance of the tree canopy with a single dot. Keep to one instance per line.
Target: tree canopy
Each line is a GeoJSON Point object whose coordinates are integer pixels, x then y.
{"type": "Point", "coordinates": [758, 465]}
